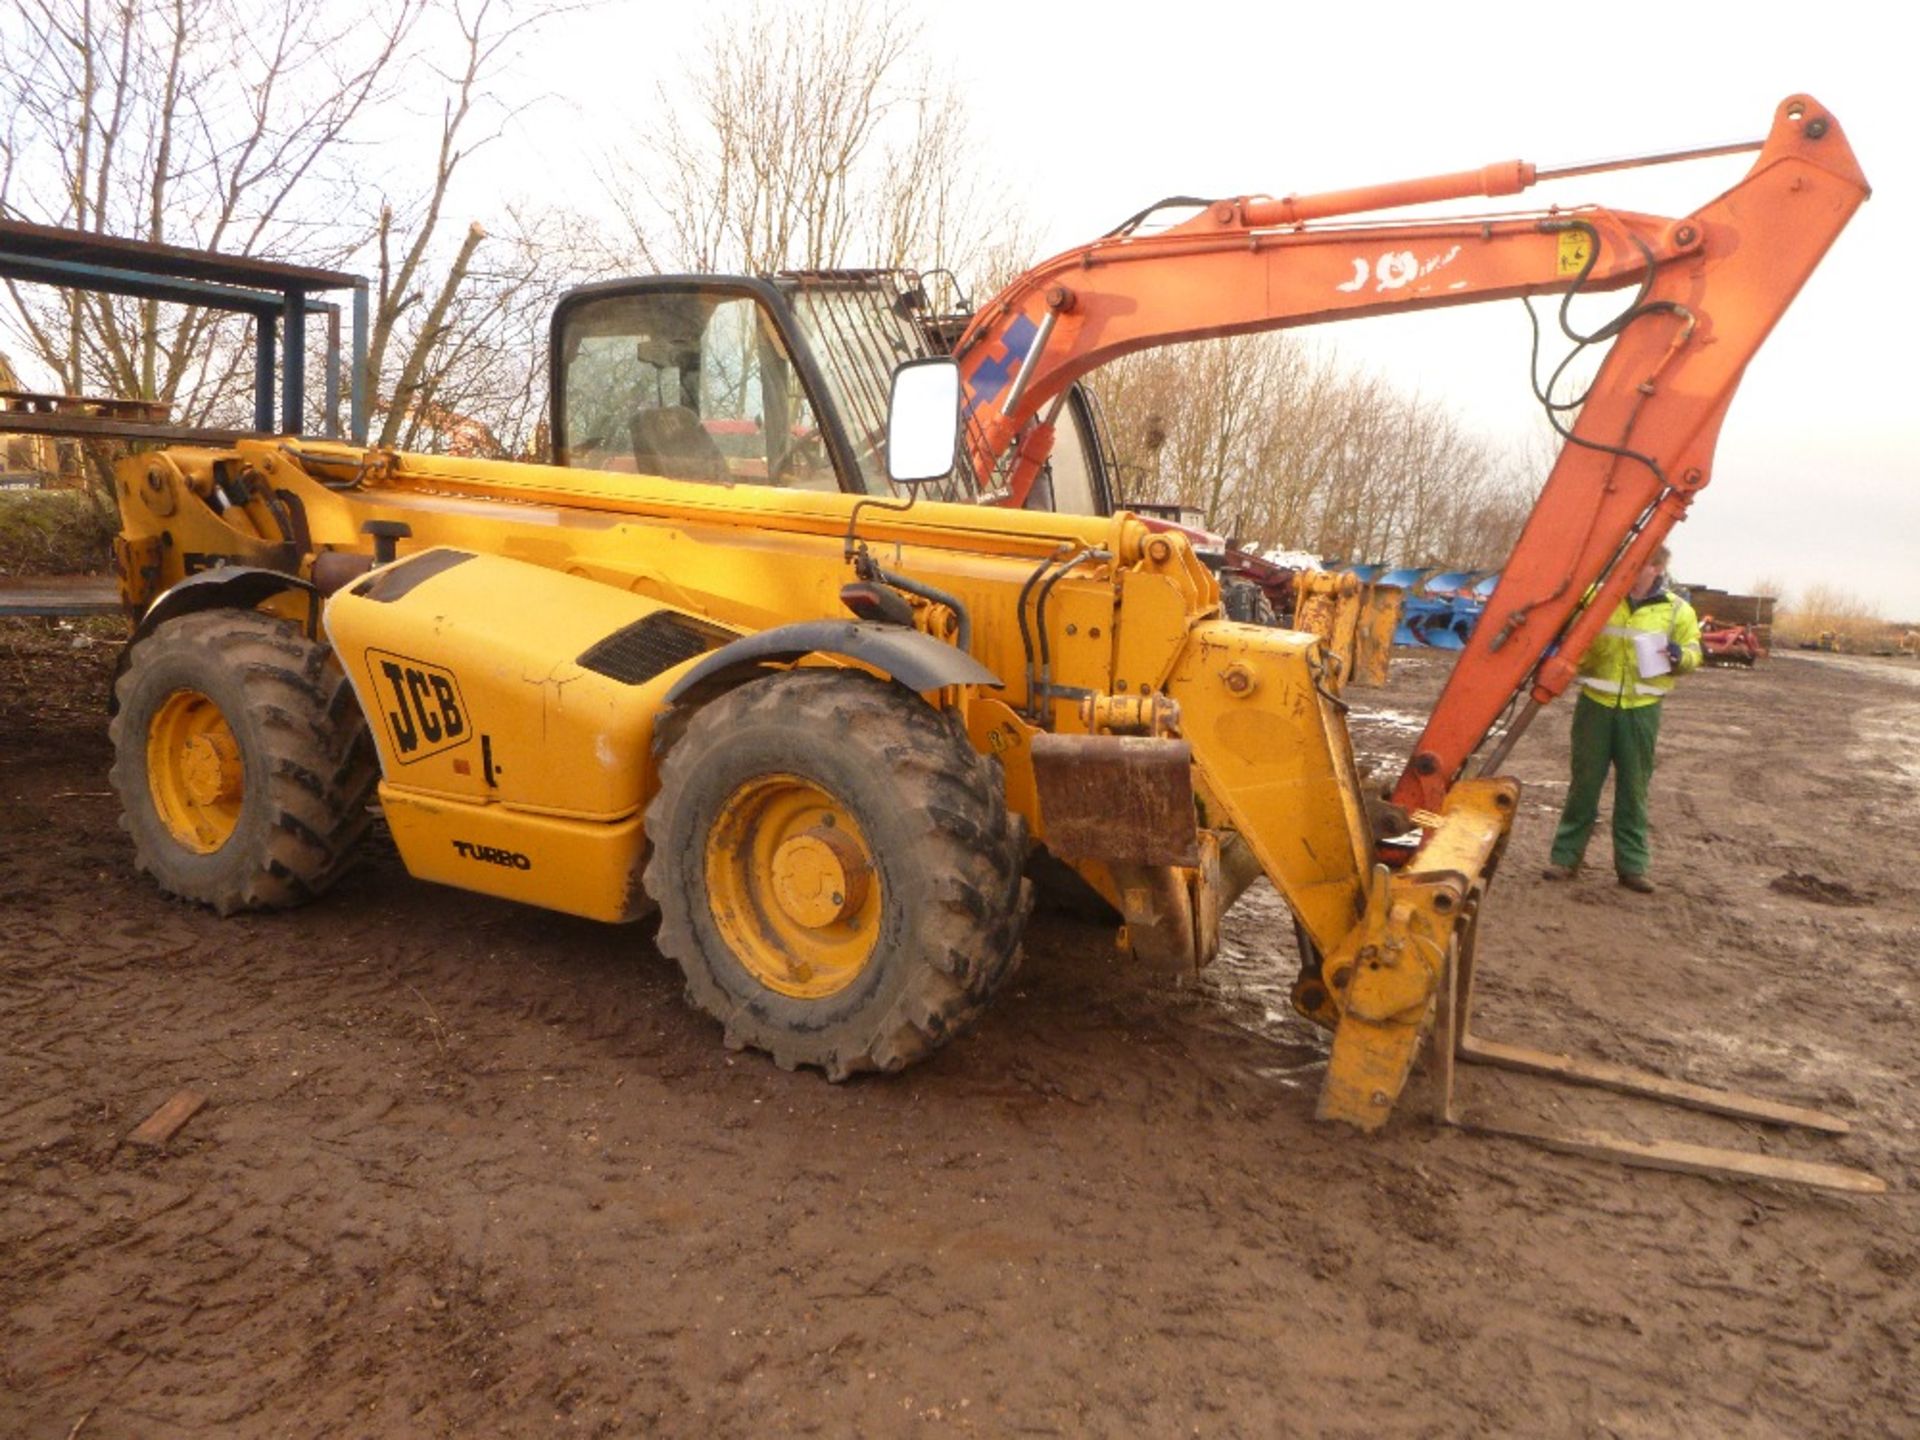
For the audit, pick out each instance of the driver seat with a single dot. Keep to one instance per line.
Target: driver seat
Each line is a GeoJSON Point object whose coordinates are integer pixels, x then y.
{"type": "Point", "coordinates": [671, 441]}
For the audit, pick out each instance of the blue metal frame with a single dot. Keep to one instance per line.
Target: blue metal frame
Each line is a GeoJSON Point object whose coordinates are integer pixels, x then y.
{"type": "Point", "coordinates": [278, 297]}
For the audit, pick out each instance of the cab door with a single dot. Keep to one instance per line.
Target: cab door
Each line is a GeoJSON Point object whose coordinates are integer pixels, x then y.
{"type": "Point", "coordinates": [697, 379]}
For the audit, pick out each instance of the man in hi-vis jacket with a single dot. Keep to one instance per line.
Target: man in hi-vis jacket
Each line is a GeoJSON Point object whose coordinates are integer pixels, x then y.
{"type": "Point", "coordinates": [1651, 636]}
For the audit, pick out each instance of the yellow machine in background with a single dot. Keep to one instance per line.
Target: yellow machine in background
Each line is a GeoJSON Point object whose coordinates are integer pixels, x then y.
{"type": "Point", "coordinates": [1353, 619]}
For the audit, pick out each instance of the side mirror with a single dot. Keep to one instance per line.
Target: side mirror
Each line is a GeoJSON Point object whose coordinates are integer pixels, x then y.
{"type": "Point", "coordinates": [923, 421]}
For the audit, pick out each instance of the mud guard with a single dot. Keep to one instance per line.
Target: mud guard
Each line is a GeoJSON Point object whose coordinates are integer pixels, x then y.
{"type": "Point", "coordinates": [917, 661]}
{"type": "Point", "coordinates": [231, 587]}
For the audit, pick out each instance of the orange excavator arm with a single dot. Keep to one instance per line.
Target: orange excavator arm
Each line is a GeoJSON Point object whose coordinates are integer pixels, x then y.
{"type": "Point", "coordinates": [1711, 287]}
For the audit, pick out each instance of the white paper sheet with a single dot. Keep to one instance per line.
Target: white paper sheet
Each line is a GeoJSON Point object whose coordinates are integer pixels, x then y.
{"type": "Point", "coordinates": [1650, 652]}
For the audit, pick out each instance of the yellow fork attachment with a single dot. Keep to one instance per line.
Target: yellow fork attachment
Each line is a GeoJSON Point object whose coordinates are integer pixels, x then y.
{"type": "Point", "coordinates": [1413, 961]}
{"type": "Point", "coordinates": [1384, 977]}
{"type": "Point", "coordinates": [1454, 1041]}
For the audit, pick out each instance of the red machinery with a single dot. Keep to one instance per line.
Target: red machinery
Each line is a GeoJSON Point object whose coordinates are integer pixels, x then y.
{"type": "Point", "coordinates": [1728, 643]}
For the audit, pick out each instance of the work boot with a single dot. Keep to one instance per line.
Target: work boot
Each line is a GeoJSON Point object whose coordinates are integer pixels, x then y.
{"type": "Point", "coordinates": [1560, 872]}
{"type": "Point", "coordinates": [1639, 884]}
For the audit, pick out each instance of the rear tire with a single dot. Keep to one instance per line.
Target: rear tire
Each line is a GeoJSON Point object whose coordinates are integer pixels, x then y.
{"type": "Point", "coordinates": [1246, 602]}
{"type": "Point", "coordinates": [242, 762]}
{"type": "Point", "coordinates": [917, 922]}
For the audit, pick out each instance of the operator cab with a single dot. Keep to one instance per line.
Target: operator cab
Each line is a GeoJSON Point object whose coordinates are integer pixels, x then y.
{"type": "Point", "coordinates": [689, 380]}
{"type": "Point", "coordinates": [778, 381]}
{"type": "Point", "coordinates": [783, 380]}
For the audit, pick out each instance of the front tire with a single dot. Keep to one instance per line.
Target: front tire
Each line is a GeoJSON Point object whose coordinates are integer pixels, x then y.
{"type": "Point", "coordinates": [242, 762]}
{"type": "Point", "coordinates": [837, 872]}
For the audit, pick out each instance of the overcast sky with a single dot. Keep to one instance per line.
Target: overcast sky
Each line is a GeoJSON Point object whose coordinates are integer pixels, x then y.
{"type": "Point", "coordinates": [1088, 109]}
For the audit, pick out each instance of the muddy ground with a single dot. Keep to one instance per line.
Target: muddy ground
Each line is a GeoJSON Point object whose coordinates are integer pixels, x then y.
{"type": "Point", "coordinates": [469, 1169]}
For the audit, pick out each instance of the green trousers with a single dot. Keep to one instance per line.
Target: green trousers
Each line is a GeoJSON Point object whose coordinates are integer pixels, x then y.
{"type": "Point", "coordinates": [1607, 737]}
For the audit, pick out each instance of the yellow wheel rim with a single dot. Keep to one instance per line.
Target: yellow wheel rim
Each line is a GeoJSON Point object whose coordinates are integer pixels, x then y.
{"type": "Point", "coordinates": [792, 886]}
{"type": "Point", "coordinates": [194, 771]}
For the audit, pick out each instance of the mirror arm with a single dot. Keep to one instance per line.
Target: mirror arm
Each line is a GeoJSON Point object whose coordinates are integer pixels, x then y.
{"type": "Point", "coordinates": [853, 520]}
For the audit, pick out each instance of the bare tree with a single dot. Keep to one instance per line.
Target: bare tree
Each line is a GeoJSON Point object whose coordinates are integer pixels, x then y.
{"type": "Point", "coordinates": [216, 124]}
{"type": "Point", "coordinates": [807, 139]}
{"type": "Point", "coordinates": [425, 334]}
{"type": "Point", "coordinates": [1822, 609]}
{"type": "Point", "coordinates": [1279, 444]}
{"type": "Point", "coordinates": [1201, 425]}
{"type": "Point", "coordinates": [480, 386]}
{"type": "Point", "coordinates": [137, 118]}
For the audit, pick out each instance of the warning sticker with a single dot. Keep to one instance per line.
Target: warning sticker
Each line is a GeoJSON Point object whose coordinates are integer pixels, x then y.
{"type": "Point", "coordinates": [1576, 246]}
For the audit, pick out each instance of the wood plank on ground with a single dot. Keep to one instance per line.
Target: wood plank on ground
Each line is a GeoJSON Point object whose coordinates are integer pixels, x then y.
{"type": "Point", "coordinates": [163, 1124]}
{"type": "Point", "coordinates": [1708, 1160]}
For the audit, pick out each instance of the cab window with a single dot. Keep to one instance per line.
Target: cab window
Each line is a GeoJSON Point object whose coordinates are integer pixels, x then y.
{"type": "Point", "coordinates": [690, 384]}
{"type": "Point", "coordinates": [1073, 482]}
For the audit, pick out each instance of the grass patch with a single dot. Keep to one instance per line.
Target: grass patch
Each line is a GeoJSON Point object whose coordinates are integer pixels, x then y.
{"type": "Point", "coordinates": [54, 532]}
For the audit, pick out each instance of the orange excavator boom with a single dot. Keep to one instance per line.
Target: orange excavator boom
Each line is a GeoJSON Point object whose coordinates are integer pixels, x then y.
{"type": "Point", "coordinates": [1711, 286]}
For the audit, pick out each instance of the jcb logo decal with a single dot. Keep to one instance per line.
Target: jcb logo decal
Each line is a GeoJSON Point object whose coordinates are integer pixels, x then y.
{"type": "Point", "coordinates": [421, 703]}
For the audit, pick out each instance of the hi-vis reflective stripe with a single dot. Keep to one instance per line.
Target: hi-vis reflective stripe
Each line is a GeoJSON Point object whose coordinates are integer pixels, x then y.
{"type": "Point", "coordinates": [1647, 685]}
{"type": "Point", "coordinates": [1626, 632]}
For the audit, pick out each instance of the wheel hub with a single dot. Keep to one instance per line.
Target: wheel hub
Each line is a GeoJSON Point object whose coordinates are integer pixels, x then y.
{"type": "Point", "coordinates": [792, 886]}
{"type": "Point", "coordinates": [820, 877]}
{"type": "Point", "coordinates": [210, 767]}
{"type": "Point", "coordinates": [195, 773]}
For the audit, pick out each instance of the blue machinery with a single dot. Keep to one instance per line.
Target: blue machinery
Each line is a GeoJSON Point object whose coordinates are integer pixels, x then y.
{"type": "Point", "coordinates": [1442, 606]}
